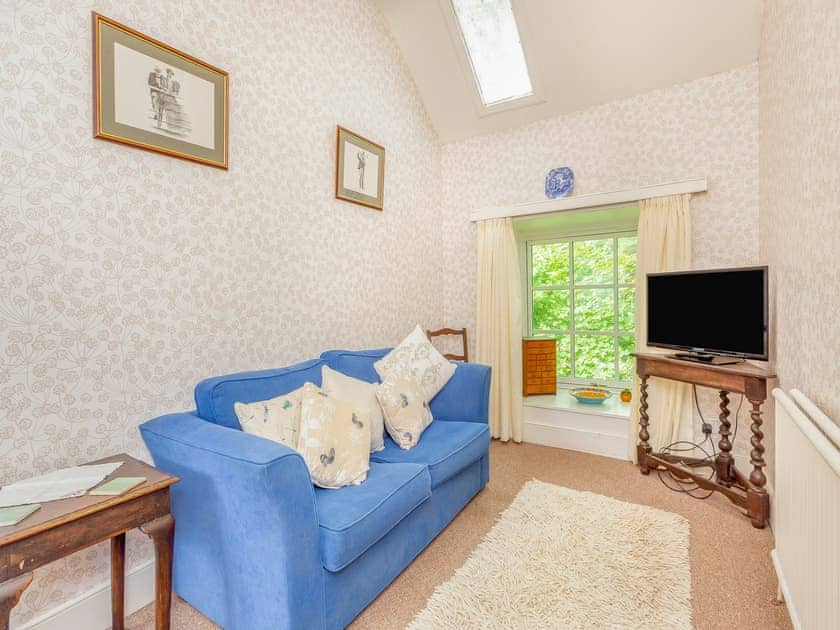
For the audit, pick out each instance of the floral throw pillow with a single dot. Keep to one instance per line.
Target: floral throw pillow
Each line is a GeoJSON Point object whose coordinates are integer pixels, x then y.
{"type": "Point", "coordinates": [276, 419]}
{"type": "Point", "coordinates": [359, 395]}
{"type": "Point", "coordinates": [415, 358]}
{"type": "Point", "coordinates": [334, 439]}
{"type": "Point", "coordinates": [407, 413]}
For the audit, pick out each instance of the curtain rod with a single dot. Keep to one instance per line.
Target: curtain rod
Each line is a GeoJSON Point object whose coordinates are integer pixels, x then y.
{"type": "Point", "coordinates": [591, 200]}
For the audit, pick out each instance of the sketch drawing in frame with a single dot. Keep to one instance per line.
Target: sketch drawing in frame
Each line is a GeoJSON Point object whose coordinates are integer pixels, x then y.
{"type": "Point", "coordinates": [359, 169]}
{"type": "Point", "coordinates": [150, 95]}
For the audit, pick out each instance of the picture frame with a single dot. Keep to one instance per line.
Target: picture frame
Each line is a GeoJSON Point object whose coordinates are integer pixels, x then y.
{"type": "Point", "coordinates": [150, 95]}
{"type": "Point", "coordinates": [359, 169]}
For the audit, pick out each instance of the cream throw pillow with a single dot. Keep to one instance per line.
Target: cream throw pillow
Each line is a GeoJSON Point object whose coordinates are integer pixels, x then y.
{"type": "Point", "coordinates": [277, 419]}
{"type": "Point", "coordinates": [334, 439]}
{"type": "Point", "coordinates": [359, 395]}
{"type": "Point", "coordinates": [415, 358]}
{"type": "Point", "coordinates": [407, 413]}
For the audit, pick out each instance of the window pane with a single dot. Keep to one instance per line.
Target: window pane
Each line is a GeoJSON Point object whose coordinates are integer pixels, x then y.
{"type": "Point", "coordinates": [492, 40]}
{"type": "Point", "coordinates": [564, 356]}
{"type": "Point", "coordinates": [595, 357]}
{"type": "Point", "coordinates": [627, 309]}
{"type": "Point", "coordinates": [594, 261]}
{"type": "Point", "coordinates": [627, 364]}
{"type": "Point", "coordinates": [550, 264]}
{"type": "Point", "coordinates": [594, 310]}
{"type": "Point", "coordinates": [550, 310]}
{"type": "Point", "coordinates": [627, 260]}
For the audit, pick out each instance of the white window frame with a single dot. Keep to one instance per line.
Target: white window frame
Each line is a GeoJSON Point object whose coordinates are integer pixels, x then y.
{"type": "Point", "coordinates": [615, 285]}
{"type": "Point", "coordinates": [460, 47]}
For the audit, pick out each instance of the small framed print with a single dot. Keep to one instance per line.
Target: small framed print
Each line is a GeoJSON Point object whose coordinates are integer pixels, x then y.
{"type": "Point", "coordinates": [359, 170]}
{"type": "Point", "coordinates": [150, 95]}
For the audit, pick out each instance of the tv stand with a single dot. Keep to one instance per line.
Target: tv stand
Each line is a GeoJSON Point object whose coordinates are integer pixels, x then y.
{"type": "Point", "coordinates": [708, 359]}
{"type": "Point", "coordinates": [748, 493]}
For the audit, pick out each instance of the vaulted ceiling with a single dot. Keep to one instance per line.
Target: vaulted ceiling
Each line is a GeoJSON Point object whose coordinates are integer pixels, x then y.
{"type": "Point", "coordinates": [580, 53]}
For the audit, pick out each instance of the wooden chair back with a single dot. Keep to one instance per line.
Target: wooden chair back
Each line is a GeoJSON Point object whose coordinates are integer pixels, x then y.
{"type": "Point", "coordinates": [465, 357]}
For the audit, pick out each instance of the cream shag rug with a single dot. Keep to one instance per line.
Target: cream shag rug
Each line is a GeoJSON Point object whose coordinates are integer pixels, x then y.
{"type": "Point", "coordinates": [559, 558]}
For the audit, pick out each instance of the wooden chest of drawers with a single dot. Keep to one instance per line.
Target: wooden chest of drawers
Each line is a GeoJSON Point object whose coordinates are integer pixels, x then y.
{"type": "Point", "coordinates": [539, 367]}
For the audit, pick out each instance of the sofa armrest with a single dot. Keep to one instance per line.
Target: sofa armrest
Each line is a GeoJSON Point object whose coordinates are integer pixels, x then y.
{"type": "Point", "coordinates": [246, 534]}
{"type": "Point", "coordinates": [466, 396]}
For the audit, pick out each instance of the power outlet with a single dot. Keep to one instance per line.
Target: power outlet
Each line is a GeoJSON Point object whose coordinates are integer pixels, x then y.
{"type": "Point", "coordinates": [707, 428]}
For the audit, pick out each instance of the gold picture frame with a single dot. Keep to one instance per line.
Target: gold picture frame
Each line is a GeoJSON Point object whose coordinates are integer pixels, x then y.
{"type": "Point", "coordinates": [353, 181]}
{"type": "Point", "coordinates": [150, 95]}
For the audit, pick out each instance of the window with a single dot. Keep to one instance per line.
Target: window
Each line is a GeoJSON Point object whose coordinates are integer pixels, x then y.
{"type": "Point", "coordinates": [581, 290]}
{"type": "Point", "coordinates": [491, 37]}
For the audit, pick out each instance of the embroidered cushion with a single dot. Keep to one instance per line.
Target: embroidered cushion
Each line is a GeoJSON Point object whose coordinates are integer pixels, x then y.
{"type": "Point", "coordinates": [407, 413]}
{"type": "Point", "coordinates": [359, 395]}
{"type": "Point", "coordinates": [415, 358]}
{"type": "Point", "coordinates": [334, 439]}
{"type": "Point", "coordinates": [277, 419]}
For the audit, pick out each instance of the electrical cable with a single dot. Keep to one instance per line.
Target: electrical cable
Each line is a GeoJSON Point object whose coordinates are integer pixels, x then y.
{"type": "Point", "coordinates": [685, 446]}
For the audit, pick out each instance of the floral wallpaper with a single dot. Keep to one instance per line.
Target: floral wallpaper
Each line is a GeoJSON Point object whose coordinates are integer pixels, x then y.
{"type": "Point", "coordinates": [129, 276]}
{"type": "Point", "coordinates": [706, 127]}
{"type": "Point", "coordinates": [800, 182]}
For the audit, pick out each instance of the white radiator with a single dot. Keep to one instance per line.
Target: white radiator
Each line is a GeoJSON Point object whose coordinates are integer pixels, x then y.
{"type": "Point", "coordinates": [807, 512]}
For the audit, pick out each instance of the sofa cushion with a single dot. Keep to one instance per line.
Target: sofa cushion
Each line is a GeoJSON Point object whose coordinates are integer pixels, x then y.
{"type": "Point", "coordinates": [415, 358]}
{"type": "Point", "coordinates": [275, 419]}
{"type": "Point", "coordinates": [446, 447]}
{"type": "Point", "coordinates": [353, 518]}
{"type": "Point", "coordinates": [214, 397]}
{"type": "Point", "coordinates": [358, 394]}
{"type": "Point", "coordinates": [334, 439]}
{"type": "Point", "coordinates": [406, 411]}
{"type": "Point", "coordinates": [356, 363]}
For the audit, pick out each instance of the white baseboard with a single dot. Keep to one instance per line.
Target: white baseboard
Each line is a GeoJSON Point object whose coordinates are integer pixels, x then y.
{"type": "Point", "coordinates": [608, 445]}
{"type": "Point", "coordinates": [783, 587]}
{"type": "Point", "coordinates": [596, 431]}
{"type": "Point", "coordinates": [93, 609]}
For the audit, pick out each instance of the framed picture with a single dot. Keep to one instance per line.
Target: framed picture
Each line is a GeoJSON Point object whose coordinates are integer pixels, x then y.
{"type": "Point", "coordinates": [150, 95]}
{"type": "Point", "coordinates": [359, 170]}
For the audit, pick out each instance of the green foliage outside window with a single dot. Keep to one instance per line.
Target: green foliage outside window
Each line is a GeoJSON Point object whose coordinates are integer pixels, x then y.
{"type": "Point", "coordinates": [583, 294]}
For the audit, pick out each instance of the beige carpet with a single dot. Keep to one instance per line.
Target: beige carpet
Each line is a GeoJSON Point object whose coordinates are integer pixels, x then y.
{"type": "Point", "coordinates": [732, 581]}
{"type": "Point", "coordinates": [561, 558]}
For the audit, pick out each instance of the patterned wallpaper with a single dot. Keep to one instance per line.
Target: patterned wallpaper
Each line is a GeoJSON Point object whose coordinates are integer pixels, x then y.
{"type": "Point", "coordinates": [129, 276]}
{"type": "Point", "coordinates": [705, 127]}
{"type": "Point", "coordinates": [800, 183]}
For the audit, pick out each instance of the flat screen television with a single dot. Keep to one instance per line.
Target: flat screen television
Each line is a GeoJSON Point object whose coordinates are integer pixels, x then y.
{"type": "Point", "coordinates": [718, 312]}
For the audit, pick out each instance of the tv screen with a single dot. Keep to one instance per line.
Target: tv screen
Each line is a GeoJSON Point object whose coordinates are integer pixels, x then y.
{"type": "Point", "coordinates": [714, 312]}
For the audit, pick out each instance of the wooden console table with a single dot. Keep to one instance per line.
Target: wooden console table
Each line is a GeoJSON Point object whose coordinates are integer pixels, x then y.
{"type": "Point", "coordinates": [65, 526]}
{"type": "Point", "coordinates": [741, 378]}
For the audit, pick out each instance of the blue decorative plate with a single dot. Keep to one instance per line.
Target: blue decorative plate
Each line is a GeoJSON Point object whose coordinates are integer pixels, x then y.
{"type": "Point", "coordinates": [591, 395]}
{"type": "Point", "coordinates": [559, 182]}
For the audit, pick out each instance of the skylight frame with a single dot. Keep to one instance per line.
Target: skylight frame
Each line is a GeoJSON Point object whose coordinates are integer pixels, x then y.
{"type": "Point", "coordinates": [516, 82]}
{"type": "Point", "coordinates": [460, 48]}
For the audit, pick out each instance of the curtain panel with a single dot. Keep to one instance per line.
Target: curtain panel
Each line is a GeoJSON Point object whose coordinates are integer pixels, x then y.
{"type": "Point", "coordinates": [499, 325]}
{"type": "Point", "coordinates": [664, 244]}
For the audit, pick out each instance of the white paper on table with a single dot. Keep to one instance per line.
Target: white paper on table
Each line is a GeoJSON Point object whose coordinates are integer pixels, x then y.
{"type": "Point", "coordinates": [58, 484]}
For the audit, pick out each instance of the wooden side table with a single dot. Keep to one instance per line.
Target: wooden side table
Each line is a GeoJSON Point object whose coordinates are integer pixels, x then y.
{"type": "Point", "coordinates": [63, 527]}
{"type": "Point", "coordinates": [748, 493]}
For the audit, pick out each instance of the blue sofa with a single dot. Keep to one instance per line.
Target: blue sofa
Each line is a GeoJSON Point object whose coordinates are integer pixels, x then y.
{"type": "Point", "coordinates": [257, 546]}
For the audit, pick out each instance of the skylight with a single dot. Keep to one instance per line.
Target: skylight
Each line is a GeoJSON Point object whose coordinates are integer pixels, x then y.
{"type": "Point", "coordinates": [495, 50]}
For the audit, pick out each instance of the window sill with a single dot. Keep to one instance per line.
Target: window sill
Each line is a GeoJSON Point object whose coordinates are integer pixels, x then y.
{"type": "Point", "coordinates": [612, 407]}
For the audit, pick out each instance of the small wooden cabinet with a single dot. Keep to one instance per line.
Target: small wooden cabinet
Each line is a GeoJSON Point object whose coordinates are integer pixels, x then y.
{"type": "Point", "coordinates": [539, 366]}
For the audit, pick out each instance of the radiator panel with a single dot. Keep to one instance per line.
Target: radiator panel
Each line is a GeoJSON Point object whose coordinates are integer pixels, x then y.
{"type": "Point", "coordinates": [807, 513]}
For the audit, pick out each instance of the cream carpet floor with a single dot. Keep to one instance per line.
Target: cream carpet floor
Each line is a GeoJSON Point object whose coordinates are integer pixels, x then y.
{"type": "Point", "coordinates": [561, 558]}
{"type": "Point", "coordinates": [733, 585]}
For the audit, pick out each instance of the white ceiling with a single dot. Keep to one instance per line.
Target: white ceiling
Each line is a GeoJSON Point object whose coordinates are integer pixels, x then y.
{"type": "Point", "coordinates": [580, 53]}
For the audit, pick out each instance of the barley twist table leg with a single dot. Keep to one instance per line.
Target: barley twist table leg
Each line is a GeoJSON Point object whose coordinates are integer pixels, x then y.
{"type": "Point", "coordinates": [644, 447]}
{"type": "Point", "coordinates": [723, 462]}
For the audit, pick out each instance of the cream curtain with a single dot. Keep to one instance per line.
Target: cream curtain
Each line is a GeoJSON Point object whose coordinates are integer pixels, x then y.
{"type": "Point", "coordinates": [499, 325]}
{"type": "Point", "coordinates": [664, 244]}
